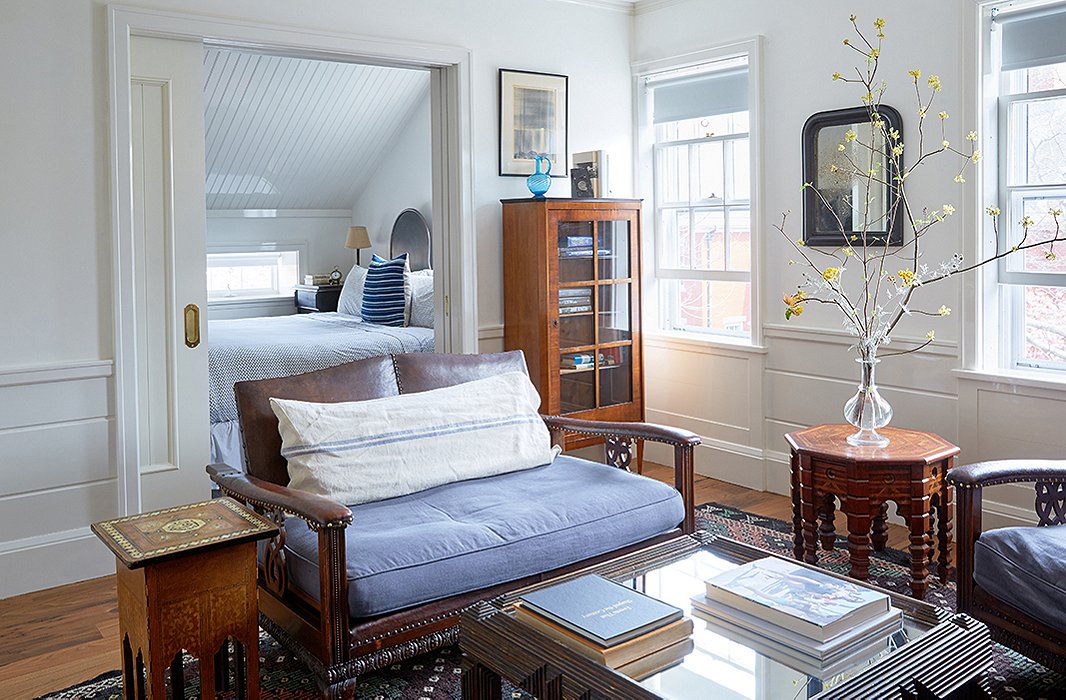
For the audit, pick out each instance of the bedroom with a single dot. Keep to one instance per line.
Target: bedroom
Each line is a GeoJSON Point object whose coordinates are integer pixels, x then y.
{"type": "Point", "coordinates": [61, 388]}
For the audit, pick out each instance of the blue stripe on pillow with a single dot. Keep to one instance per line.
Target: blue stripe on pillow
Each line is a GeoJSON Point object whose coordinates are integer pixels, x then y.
{"type": "Point", "coordinates": [385, 291]}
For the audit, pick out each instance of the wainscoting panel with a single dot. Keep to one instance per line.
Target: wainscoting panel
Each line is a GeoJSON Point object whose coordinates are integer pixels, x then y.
{"type": "Point", "coordinates": [736, 464]}
{"type": "Point", "coordinates": [714, 390]}
{"type": "Point", "coordinates": [56, 438]}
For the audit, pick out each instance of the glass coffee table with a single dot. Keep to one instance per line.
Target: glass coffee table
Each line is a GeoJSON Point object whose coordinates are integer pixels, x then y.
{"type": "Point", "coordinates": [936, 653]}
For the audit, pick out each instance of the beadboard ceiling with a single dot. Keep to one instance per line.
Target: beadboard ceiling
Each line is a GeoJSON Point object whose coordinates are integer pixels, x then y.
{"type": "Point", "coordinates": [292, 133]}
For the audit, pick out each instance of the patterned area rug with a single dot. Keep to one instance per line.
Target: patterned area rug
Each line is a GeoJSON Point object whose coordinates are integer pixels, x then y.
{"type": "Point", "coordinates": [437, 675]}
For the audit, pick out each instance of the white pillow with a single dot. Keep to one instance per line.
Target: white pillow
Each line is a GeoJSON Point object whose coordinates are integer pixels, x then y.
{"type": "Point", "coordinates": [363, 451]}
{"type": "Point", "coordinates": [351, 298]}
{"type": "Point", "coordinates": [422, 298]}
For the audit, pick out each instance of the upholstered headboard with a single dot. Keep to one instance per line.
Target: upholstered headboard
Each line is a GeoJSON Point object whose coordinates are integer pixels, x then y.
{"type": "Point", "coordinates": [410, 234]}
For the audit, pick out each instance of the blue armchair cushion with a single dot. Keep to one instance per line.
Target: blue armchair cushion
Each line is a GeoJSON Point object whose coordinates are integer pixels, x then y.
{"type": "Point", "coordinates": [468, 535]}
{"type": "Point", "coordinates": [1026, 567]}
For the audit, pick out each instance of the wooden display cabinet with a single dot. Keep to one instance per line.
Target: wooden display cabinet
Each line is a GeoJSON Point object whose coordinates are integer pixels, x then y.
{"type": "Point", "coordinates": [572, 300]}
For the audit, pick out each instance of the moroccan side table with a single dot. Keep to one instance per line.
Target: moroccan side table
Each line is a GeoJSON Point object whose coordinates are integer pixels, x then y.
{"type": "Point", "coordinates": [911, 471]}
{"type": "Point", "coordinates": [187, 581]}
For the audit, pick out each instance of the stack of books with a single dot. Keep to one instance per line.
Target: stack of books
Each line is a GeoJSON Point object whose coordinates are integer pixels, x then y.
{"type": "Point", "coordinates": [613, 624]}
{"type": "Point", "coordinates": [804, 618]}
{"type": "Point", "coordinates": [575, 300]}
{"type": "Point", "coordinates": [578, 247]}
{"type": "Point", "coordinates": [577, 361]}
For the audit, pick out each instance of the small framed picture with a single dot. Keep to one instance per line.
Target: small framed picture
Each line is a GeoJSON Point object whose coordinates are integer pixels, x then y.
{"type": "Point", "coordinates": [595, 163]}
{"type": "Point", "coordinates": [533, 117]}
{"type": "Point", "coordinates": [580, 183]}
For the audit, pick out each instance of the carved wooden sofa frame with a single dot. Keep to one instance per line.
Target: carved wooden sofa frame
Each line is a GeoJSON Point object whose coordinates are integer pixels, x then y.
{"type": "Point", "coordinates": [335, 647]}
{"type": "Point", "coordinates": [1011, 626]}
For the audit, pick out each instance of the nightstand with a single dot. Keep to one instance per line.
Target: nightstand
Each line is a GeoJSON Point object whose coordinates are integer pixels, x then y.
{"type": "Point", "coordinates": [311, 298]}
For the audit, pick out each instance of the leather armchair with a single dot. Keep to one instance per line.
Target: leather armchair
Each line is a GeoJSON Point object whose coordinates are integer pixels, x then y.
{"type": "Point", "coordinates": [1037, 631]}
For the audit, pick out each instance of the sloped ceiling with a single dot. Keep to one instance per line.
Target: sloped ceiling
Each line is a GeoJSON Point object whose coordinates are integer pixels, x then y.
{"type": "Point", "coordinates": [291, 133]}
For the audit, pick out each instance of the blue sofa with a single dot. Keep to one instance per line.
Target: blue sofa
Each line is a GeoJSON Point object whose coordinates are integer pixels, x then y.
{"type": "Point", "coordinates": [360, 588]}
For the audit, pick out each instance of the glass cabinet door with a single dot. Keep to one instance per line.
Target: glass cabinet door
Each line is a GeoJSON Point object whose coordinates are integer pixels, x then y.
{"type": "Point", "coordinates": [595, 314]}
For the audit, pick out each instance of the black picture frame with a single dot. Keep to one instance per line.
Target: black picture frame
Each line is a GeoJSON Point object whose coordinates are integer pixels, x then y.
{"type": "Point", "coordinates": [822, 134]}
{"type": "Point", "coordinates": [533, 118]}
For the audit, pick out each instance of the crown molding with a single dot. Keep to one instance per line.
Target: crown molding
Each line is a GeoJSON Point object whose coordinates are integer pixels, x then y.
{"type": "Point", "coordinates": [641, 7]}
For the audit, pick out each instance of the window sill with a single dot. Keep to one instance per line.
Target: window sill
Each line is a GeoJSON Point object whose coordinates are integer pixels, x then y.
{"type": "Point", "coordinates": [692, 341]}
{"type": "Point", "coordinates": [1014, 378]}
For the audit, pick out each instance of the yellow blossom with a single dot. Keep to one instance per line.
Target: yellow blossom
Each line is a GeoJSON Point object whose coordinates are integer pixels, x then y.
{"type": "Point", "coordinates": [840, 147]}
{"type": "Point", "coordinates": [934, 82]}
{"type": "Point", "coordinates": [1050, 255]}
{"type": "Point", "coordinates": [893, 134]}
{"type": "Point", "coordinates": [943, 115]}
{"type": "Point", "coordinates": [931, 335]}
{"type": "Point", "coordinates": [847, 43]}
{"type": "Point", "coordinates": [906, 277]}
{"type": "Point", "coordinates": [879, 23]}
{"type": "Point", "coordinates": [992, 210]}
{"type": "Point", "coordinates": [833, 167]}
{"type": "Point", "coordinates": [849, 251]}
{"type": "Point", "coordinates": [948, 210]}
{"type": "Point", "coordinates": [944, 311]}
{"type": "Point", "coordinates": [837, 76]}
{"type": "Point", "coordinates": [793, 304]}
{"type": "Point", "coordinates": [799, 242]}
{"type": "Point", "coordinates": [854, 237]}
{"type": "Point", "coordinates": [854, 17]}
{"type": "Point", "coordinates": [972, 136]}
{"type": "Point", "coordinates": [1055, 212]}
{"type": "Point", "coordinates": [960, 178]}
{"type": "Point", "coordinates": [875, 53]}
{"type": "Point", "coordinates": [916, 73]}
{"type": "Point", "coordinates": [850, 135]}
{"type": "Point", "coordinates": [831, 274]}
{"type": "Point", "coordinates": [1027, 221]}
{"type": "Point", "coordinates": [945, 143]}
{"type": "Point", "coordinates": [897, 150]}
{"type": "Point", "coordinates": [921, 113]}
{"type": "Point", "coordinates": [976, 157]}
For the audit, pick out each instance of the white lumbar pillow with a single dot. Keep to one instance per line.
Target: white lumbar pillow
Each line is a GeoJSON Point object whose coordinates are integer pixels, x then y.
{"type": "Point", "coordinates": [351, 297]}
{"type": "Point", "coordinates": [363, 451]}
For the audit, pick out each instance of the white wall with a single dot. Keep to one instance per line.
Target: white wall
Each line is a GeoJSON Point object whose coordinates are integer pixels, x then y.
{"type": "Point", "coordinates": [744, 402]}
{"type": "Point", "coordinates": [402, 179]}
{"type": "Point", "coordinates": [55, 222]}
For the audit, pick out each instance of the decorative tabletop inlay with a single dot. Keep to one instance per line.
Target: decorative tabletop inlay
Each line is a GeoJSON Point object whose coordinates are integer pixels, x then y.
{"type": "Point", "coordinates": [136, 539]}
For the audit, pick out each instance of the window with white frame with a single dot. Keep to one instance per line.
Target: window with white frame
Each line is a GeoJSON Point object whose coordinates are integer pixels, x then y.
{"type": "Point", "coordinates": [702, 174]}
{"type": "Point", "coordinates": [252, 274]}
{"type": "Point", "coordinates": [1029, 174]}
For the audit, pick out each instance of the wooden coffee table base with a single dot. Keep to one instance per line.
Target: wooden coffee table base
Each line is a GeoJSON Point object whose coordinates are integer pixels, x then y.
{"type": "Point", "coordinates": [910, 472]}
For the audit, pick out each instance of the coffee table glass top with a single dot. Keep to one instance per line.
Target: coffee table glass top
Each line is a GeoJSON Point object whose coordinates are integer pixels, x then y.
{"type": "Point", "coordinates": [722, 664]}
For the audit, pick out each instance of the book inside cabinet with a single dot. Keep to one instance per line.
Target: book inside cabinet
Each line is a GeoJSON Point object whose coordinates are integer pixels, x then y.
{"type": "Point", "coordinates": [572, 303]}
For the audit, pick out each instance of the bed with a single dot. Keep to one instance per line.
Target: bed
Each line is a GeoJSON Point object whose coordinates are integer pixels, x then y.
{"type": "Point", "coordinates": [279, 346]}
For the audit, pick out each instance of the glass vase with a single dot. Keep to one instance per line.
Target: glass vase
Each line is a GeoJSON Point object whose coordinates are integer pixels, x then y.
{"type": "Point", "coordinates": [867, 410]}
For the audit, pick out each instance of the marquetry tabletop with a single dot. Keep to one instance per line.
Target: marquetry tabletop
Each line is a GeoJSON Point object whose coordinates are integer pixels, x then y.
{"type": "Point", "coordinates": [147, 538]}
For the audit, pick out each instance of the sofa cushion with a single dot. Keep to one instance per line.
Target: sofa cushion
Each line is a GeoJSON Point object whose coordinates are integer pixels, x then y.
{"type": "Point", "coordinates": [362, 451]}
{"type": "Point", "coordinates": [469, 535]}
{"type": "Point", "coordinates": [1026, 567]}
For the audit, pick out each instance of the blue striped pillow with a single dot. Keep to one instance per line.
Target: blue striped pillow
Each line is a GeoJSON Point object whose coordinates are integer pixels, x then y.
{"type": "Point", "coordinates": [387, 291]}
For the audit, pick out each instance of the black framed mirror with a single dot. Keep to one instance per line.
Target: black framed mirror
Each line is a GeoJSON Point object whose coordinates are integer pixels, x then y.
{"type": "Point", "coordinates": [833, 206]}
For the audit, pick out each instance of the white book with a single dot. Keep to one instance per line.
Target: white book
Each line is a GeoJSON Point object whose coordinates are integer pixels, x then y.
{"type": "Point", "coordinates": [790, 595]}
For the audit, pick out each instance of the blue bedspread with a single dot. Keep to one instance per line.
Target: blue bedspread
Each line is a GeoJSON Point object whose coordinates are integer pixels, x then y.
{"type": "Point", "coordinates": [279, 346]}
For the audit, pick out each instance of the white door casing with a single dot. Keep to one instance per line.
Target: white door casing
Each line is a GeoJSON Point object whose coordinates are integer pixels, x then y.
{"type": "Point", "coordinates": [169, 241]}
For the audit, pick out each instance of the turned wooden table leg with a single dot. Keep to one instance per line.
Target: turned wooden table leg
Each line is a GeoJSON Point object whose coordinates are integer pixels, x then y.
{"type": "Point", "coordinates": [920, 545]}
{"type": "Point", "coordinates": [809, 510]}
{"type": "Point", "coordinates": [827, 533]}
{"type": "Point", "coordinates": [797, 516]}
{"type": "Point", "coordinates": [879, 536]}
{"type": "Point", "coordinates": [859, 541]}
{"type": "Point", "coordinates": [945, 514]}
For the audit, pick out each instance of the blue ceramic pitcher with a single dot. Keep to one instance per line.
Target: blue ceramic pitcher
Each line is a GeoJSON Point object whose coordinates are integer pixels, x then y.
{"type": "Point", "coordinates": [539, 182]}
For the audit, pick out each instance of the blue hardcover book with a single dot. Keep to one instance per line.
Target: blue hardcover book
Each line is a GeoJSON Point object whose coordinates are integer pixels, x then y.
{"type": "Point", "coordinates": [602, 611]}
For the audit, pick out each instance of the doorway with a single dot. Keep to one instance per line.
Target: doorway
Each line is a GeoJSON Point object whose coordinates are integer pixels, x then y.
{"type": "Point", "coordinates": [453, 242]}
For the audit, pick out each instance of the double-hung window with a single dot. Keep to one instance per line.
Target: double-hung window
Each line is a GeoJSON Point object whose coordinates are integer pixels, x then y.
{"type": "Point", "coordinates": [237, 274]}
{"type": "Point", "coordinates": [697, 118]}
{"type": "Point", "coordinates": [1028, 118]}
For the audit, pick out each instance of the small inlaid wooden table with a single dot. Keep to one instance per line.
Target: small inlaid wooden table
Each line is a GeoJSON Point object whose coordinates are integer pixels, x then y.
{"type": "Point", "coordinates": [187, 581]}
{"type": "Point", "coordinates": [910, 471]}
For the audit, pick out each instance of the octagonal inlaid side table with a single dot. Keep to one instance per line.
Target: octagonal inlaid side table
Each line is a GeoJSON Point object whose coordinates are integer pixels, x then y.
{"type": "Point", "coordinates": [910, 471]}
{"type": "Point", "coordinates": [187, 581]}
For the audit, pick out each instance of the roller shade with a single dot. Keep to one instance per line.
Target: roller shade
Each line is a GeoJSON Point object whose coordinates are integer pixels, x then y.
{"type": "Point", "coordinates": [704, 95]}
{"type": "Point", "coordinates": [1034, 38]}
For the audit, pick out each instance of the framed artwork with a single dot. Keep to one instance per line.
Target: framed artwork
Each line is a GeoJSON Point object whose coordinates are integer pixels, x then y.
{"type": "Point", "coordinates": [533, 115]}
{"type": "Point", "coordinates": [839, 206]}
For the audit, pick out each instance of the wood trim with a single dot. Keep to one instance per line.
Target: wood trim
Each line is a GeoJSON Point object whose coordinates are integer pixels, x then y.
{"type": "Point", "coordinates": [56, 372]}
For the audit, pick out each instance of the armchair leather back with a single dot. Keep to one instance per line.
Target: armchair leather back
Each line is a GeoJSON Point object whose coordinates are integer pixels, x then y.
{"type": "Point", "coordinates": [372, 378]}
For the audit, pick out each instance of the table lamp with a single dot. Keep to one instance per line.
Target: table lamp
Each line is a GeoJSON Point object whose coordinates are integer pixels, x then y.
{"type": "Point", "coordinates": [358, 238]}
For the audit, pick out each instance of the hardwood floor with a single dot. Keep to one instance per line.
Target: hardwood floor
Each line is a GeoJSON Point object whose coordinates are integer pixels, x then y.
{"type": "Point", "coordinates": [56, 638]}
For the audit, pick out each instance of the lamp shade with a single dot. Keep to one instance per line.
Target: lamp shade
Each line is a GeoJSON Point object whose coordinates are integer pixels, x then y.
{"type": "Point", "coordinates": [358, 237]}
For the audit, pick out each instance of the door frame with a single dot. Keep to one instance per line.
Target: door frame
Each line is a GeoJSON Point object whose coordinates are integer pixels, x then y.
{"type": "Point", "coordinates": [454, 241]}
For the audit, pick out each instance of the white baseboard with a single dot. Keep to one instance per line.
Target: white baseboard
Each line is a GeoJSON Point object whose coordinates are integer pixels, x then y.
{"type": "Point", "coordinates": [54, 559]}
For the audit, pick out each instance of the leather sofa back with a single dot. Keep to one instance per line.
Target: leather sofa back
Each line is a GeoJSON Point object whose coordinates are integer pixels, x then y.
{"type": "Point", "coordinates": [372, 378]}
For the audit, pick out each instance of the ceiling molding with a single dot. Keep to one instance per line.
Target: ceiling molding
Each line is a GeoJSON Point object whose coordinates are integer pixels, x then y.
{"type": "Point", "coordinates": [641, 7]}
{"type": "Point", "coordinates": [623, 6]}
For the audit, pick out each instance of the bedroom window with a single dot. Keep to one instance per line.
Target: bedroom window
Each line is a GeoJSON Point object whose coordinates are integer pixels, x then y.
{"type": "Point", "coordinates": [698, 121]}
{"type": "Point", "coordinates": [1028, 131]}
{"type": "Point", "coordinates": [236, 275]}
